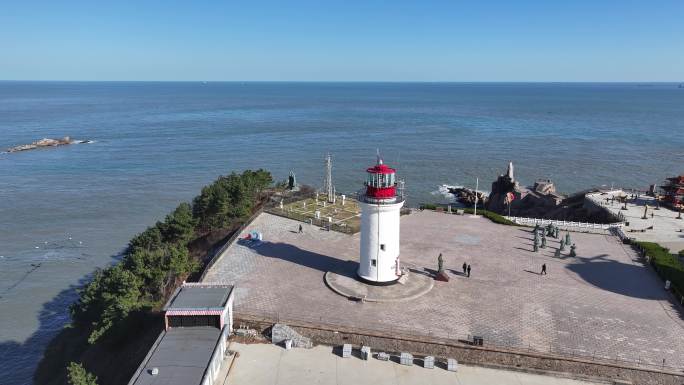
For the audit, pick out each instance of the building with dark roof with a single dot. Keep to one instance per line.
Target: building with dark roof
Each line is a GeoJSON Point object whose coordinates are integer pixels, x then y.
{"type": "Point", "coordinates": [198, 320]}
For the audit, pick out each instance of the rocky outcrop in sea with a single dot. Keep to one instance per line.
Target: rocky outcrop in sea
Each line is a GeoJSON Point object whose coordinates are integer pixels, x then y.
{"type": "Point", "coordinates": [46, 142]}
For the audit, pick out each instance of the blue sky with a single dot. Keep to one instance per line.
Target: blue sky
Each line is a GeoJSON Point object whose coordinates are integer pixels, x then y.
{"type": "Point", "coordinates": [343, 40]}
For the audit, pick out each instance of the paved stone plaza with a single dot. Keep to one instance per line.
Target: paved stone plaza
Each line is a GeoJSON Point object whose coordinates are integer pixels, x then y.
{"type": "Point", "coordinates": [603, 303]}
{"type": "Point", "coordinates": [264, 364]}
{"type": "Point", "coordinates": [664, 227]}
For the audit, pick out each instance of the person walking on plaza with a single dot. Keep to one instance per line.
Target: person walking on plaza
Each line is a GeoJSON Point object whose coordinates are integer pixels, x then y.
{"type": "Point", "coordinates": [301, 229]}
{"type": "Point", "coordinates": [543, 272]}
{"type": "Point", "coordinates": [464, 268]}
{"type": "Point", "coordinates": [468, 269]}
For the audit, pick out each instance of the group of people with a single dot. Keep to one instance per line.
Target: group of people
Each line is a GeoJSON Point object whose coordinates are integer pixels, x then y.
{"type": "Point", "coordinates": [466, 269]}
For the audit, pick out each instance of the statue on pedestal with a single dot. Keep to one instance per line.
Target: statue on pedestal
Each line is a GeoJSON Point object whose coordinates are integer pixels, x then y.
{"type": "Point", "coordinates": [441, 274]}
{"type": "Point", "coordinates": [572, 251]}
{"type": "Point", "coordinates": [543, 241]}
{"type": "Point", "coordinates": [567, 238]}
{"type": "Point", "coordinates": [557, 253]}
{"type": "Point", "coordinates": [562, 245]}
{"type": "Point", "coordinates": [292, 182]}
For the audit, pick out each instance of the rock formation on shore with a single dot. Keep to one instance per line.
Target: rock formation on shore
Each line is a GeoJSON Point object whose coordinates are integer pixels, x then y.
{"type": "Point", "coordinates": [538, 201]}
{"type": "Point", "coordinates": [467, 196]}
{"type": "Point", "coordinates": [45, 142]}
{"type": "Point", "coordinates": [499, 195]}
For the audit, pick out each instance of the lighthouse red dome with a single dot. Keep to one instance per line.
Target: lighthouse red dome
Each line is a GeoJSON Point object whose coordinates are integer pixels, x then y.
{"type": "Point", "coordinates": [381, 181]}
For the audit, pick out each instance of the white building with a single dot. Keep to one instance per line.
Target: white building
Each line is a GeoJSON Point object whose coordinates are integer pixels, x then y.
{"type": "Point", "coordinates": [380, 210]}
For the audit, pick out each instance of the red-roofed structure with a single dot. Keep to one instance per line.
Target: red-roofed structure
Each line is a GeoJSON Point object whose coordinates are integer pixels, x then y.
{"type": "Point", "coordinates": [673, 192]}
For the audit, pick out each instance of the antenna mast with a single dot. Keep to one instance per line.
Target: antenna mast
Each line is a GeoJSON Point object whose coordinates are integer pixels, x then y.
{"type": "Point", "coordinates": [328, 186]}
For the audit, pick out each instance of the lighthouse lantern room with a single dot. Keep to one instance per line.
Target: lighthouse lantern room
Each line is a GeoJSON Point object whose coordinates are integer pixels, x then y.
{"type": "Point", "coordinates": [380, 210]}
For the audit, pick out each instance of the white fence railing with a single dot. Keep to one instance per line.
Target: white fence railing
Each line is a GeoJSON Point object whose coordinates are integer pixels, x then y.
{"type": "Point", "coordinates": [567, 225]}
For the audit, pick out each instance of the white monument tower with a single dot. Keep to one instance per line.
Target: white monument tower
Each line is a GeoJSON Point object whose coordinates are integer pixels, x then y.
{"type": "Point", "coordinates": [380, 207]}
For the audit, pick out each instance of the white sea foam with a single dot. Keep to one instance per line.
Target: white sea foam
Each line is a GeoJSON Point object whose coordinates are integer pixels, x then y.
{"type": "Point", "coordinates": [443, 190]}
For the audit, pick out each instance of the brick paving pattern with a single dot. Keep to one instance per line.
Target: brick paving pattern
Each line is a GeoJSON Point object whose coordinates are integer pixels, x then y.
{"type": "Point", "coordinates": [603, 303]}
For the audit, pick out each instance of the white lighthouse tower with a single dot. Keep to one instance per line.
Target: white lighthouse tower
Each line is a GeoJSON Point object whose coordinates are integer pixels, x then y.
{"type": "Point", "coordinates": [380, 208]}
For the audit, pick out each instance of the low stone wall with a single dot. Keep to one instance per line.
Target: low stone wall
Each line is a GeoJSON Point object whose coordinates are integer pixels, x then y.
{"type": "Point", "coordinates": [480, 356]}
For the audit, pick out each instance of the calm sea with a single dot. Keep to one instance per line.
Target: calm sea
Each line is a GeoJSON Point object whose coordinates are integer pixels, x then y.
{"type": "Point", "coordinates": [66, 211]}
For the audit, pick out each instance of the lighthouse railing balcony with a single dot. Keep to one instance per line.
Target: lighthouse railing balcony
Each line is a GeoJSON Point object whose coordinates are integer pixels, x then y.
{"type": "Point", "coordinates": [364, 197]}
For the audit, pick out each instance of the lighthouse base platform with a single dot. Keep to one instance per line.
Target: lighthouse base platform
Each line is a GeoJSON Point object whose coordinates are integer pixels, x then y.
{"type": "Point", "coordinates": [345, 282]}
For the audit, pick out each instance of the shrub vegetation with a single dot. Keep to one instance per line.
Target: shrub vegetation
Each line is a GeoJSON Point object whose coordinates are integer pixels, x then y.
{"type": "Point", "coordinates": [667, 265]}
{"type": "Point", "coordinates": [492, 216]}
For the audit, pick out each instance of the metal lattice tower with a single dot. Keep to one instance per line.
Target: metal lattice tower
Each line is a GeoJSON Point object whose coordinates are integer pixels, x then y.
{"type": "Point", "coordinates": [328, 186]}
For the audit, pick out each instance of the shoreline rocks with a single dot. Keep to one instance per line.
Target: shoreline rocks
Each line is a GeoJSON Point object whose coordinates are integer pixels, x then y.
{"type": "Point", "coordinates": [540, 201]}
{"type": "Point", "coordinates": [467, 196]}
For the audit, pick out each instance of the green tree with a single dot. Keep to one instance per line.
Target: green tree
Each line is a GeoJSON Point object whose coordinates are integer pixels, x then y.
{"type": "Point", "coordinates": [108, 298]}
{"type": "Point", "coordinates": [179, 226]}
{"type": "Point", "coordinates": [77, 375]}
{"type": "Point", "coordinates": [229, 199]}
{"type": "Point", "coordinates": [160, 268]}
{"type": "Point", "coordinates": [149, 239]}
